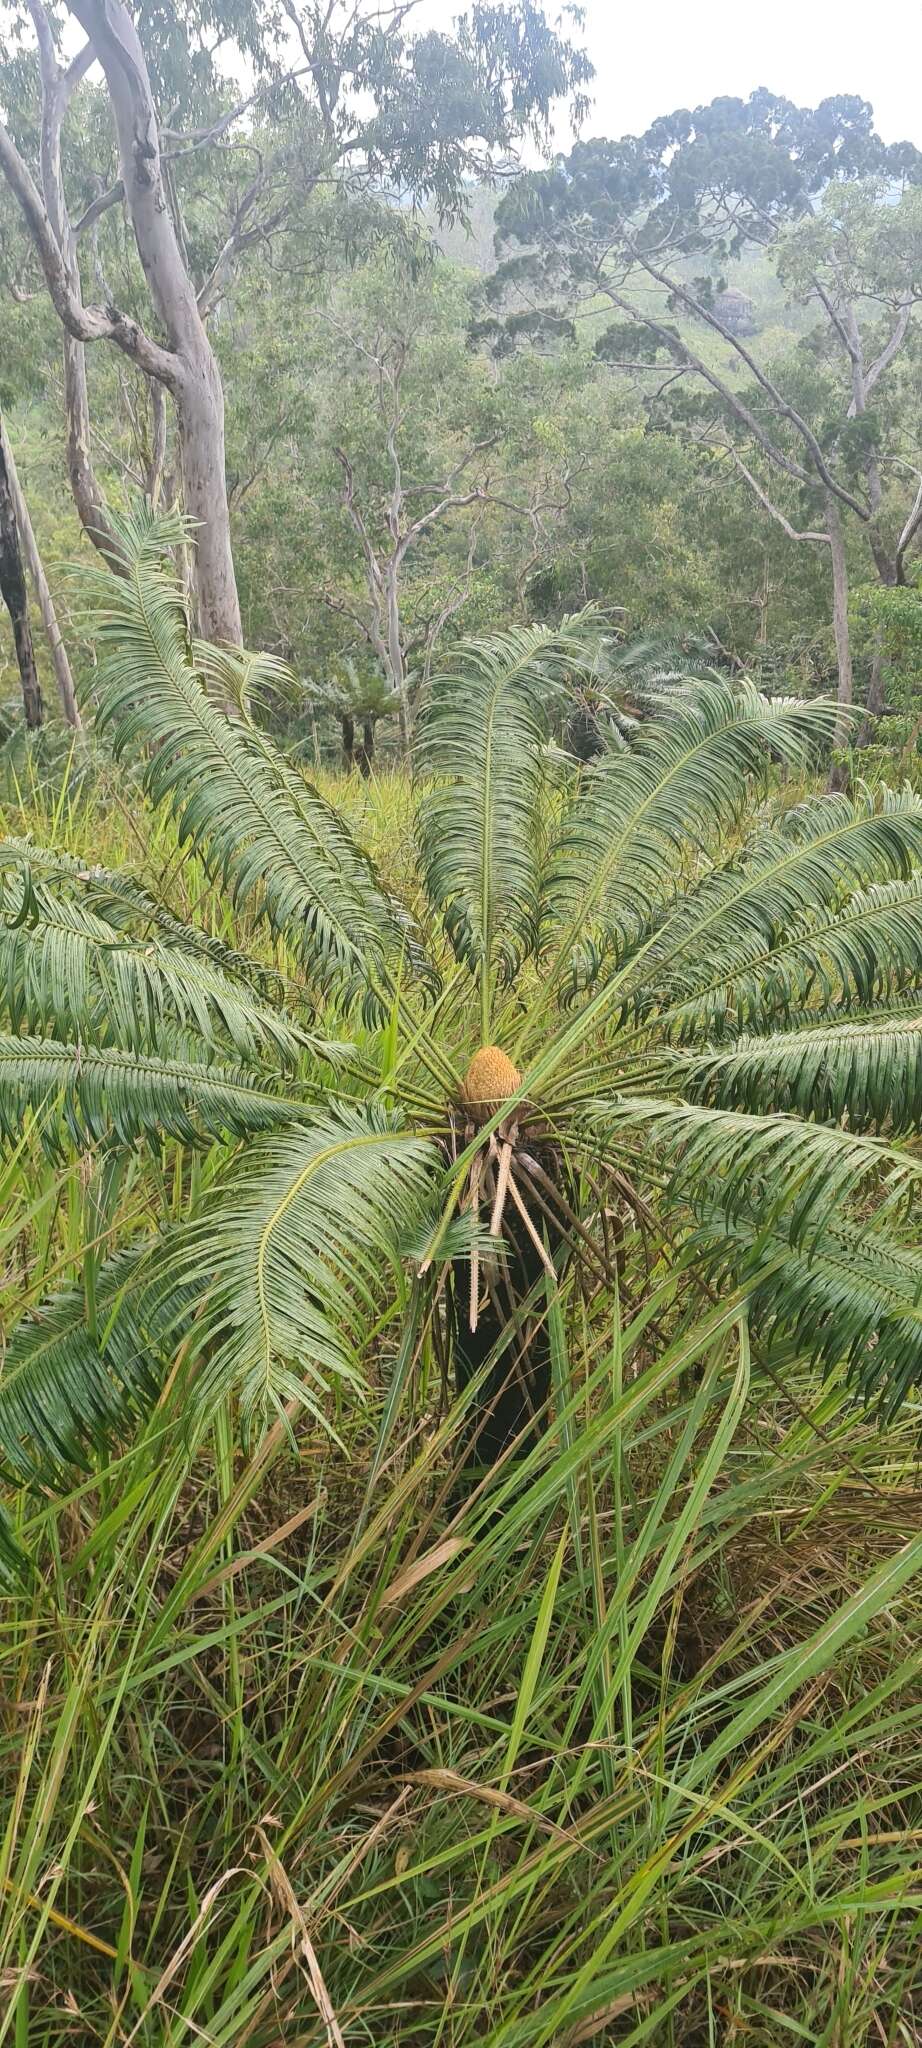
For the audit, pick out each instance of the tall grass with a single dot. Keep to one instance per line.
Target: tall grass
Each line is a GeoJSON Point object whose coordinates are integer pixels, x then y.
{"type": "Point", "coordinates": [330, 1744]}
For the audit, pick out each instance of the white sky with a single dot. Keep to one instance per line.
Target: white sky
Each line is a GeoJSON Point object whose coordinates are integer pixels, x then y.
{"type": "Point", "coordinates": [651, 58]}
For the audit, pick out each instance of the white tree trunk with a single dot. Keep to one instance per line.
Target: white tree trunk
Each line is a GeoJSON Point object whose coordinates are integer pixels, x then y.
{"type": "Point", "coordinates": [195, 379]}
{"type": "Point", "coordinates": [396, 667]}
{"type": "Point", "coordinates": [840, 619]}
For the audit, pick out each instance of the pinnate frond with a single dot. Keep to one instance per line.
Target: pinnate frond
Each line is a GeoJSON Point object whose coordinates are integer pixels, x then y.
{"type": "Point", "coordinates": [775, 923]}
{"type": "Point", "coordinates": [757, 1168]}
{"type": "Point", "coordinates": [67, 1391]}
{"type": "Point", "coordinates": [278, 845]}
{"type": "Point", "coordinates": [479, 748]}
{"type": "Point", "coordinates": [123, 901]}
{"type": "Point", "coordinates": [66, 971]}
{"type": "Point", "coordinates": [300, 1246]}
{"type": "Point", "coordinates": [638, 820]}
{"type": "Point", "coordinates": [82, 1095]}
{"type": "Point", "coordinates": [869, 1073]}
{"type": "Point", "coordinates": [855, 1301]}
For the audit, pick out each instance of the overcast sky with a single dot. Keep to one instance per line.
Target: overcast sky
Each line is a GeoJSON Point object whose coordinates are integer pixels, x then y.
{"type": "Point", "coordinates": [651, 58]}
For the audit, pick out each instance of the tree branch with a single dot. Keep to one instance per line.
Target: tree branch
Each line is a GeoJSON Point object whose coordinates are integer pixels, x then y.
{"type": "Point", "coordinates": [908, 534]}
{"type": "Point", "coordinates": [895, 343]}
{"type": "Point", "coordinates": [781, 404]}
{"type": "Point", "coordinates": [98, 207]}
{"type": "Point", "coordinates": [765, 501]}
{"type": "Point", "coordinates": [85, 323]}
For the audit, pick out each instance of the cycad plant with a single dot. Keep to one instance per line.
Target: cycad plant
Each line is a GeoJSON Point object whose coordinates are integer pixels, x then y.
{"type": "Point", "coordinates": [639, 1005]}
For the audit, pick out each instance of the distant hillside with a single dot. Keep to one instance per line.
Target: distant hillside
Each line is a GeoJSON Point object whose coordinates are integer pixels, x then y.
{"type": "Point", "coordinates": [472, 248]}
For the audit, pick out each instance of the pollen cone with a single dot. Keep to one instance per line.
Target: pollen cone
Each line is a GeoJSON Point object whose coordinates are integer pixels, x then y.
{"type": "Point", "coordinates": [490, 1078]}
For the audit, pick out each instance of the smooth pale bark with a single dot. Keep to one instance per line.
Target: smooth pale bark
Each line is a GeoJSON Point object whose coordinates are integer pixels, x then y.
{"type": "Point", "coordinates": [187, 366]}
{"type": "Point", "coordinates": [39, 582]}
{"type": "Point", "coordinates": [57, 87]}
{"type": "Point", "coordinates": [395, 662]}
{"type": "Point", "coordinates": [845, 692]}
{"type": "Point", "coordinates": [13, 593]}
{"type": "Point", "coordinates": [196, 382]}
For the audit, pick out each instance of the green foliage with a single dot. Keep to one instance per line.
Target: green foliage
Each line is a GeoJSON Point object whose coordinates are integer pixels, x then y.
{"type": "Point", "coordinates": [480, 741]}
{"type": "Point", "coordinates": [303, 1244]}
{"type": "Point", "coordinates": [266, 831]}
{"type": "Point", "coordinates": [651, 1701]}
{"type": "Point", "coordinates": [622, 931]}
{"type": "Point", "coordinates": [683, 785]}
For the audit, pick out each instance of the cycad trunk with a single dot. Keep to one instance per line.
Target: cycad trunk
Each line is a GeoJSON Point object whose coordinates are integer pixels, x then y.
{"type": "Point", "coordinates": [512, 1406]}
{"type": "Point", "coordinates": [365, 751]}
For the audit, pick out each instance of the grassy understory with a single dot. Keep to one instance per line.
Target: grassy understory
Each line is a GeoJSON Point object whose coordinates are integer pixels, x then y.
{"type": "Point", "coordinates": [315, 1742]}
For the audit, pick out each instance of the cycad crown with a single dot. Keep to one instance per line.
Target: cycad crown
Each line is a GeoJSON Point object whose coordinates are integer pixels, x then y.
{"type": "Point", "coordinates": [708, 999]}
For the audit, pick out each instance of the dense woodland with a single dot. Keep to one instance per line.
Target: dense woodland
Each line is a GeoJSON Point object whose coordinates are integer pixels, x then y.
{"type": "Point", "coordinates": [451, 401]}
{"type": "Point", "coordinates": [460, 1052]}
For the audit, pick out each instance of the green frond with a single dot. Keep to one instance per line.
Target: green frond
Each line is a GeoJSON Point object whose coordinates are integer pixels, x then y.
{"type": "Point", "coordinates": [123, 901]}
{"type": "Point", "coordinates": [245, 676]}
{"type": "Point", "coordinates": [783, 918]}
{"type": "Point", "coordinates": [66, 1391]}
{"type": "Point", "coordinates": [81, 1095]}
{"type": "Point", "coordinates": [855, 1302]}
{"type": "Point", "coordinates": [480, 744]}
{"type": "Point", "coordinates": [65, 971]}
{"type": "Point", "coordinates": [640, 821]}
{"type": "Point", "coordinates": [278, 845]}
{"type": "Point", "coordinates": [758, 1168]}
{"type": "Point", "coordinates": [864, 952]}
{"type": "Point", "coordinates": [869, 1073]}
{"type": "Point", "coordinates": [300, 1249]}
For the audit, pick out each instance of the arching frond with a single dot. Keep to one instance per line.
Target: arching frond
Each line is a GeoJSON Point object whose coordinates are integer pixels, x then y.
{"type": "Point", "coordinates": [754, 1169]}
{"type": "Point", "coordinates": [479, 743]}
{"type": "Point", "coordinates": [277, 843]}
{"type": "Point", "coordinates": [639, 820]}
{"type": "Point", "coordinates": [64, 970]}
{"type": "Point", "coordinates": [83, 1094]}
{"type": "Point", "coordinates": [300, 1248]}
{"type": "Point", "coordinates": [866, 950]}
{"type": "Point", "coordinates": [870, 1073]}
{"type": "Point", "coordinates": [854, 1302]}
{"type": "Point", "coordinates": [68, 1391]}
{"type": "Point", "coordinates": [124, 902]}
{"type": "Point", "coordinates": [762, 932]}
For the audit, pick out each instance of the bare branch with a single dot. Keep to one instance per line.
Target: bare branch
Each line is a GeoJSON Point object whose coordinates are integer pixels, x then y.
{"type": "Point", "coordinates": [355, 515]}
{"type": "Point", "coordinates": [765, 501]}
{"type": "Point", "coordinates": [98, 207]}
{"type": "Point", "coordinates": [848, 335]}
{"type": "Point", "coordinates": [895, 343]}
{"type": "Point", "coordinates": [77, 69]}
{"type": "Point", "coordinates": [678, 346]}
{"type": "Point", "coordinates": [85, 323]}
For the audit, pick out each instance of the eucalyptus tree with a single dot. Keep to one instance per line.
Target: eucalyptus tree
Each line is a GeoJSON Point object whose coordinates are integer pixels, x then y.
{"type": "Point", "coordinates": [639, 996]}
{"type": "Point", "coordinates": [412, 494]}
{"type": "Point", "coordinates": [630, 223]}
{"type": "Point", "coordinates": [356, 103]}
